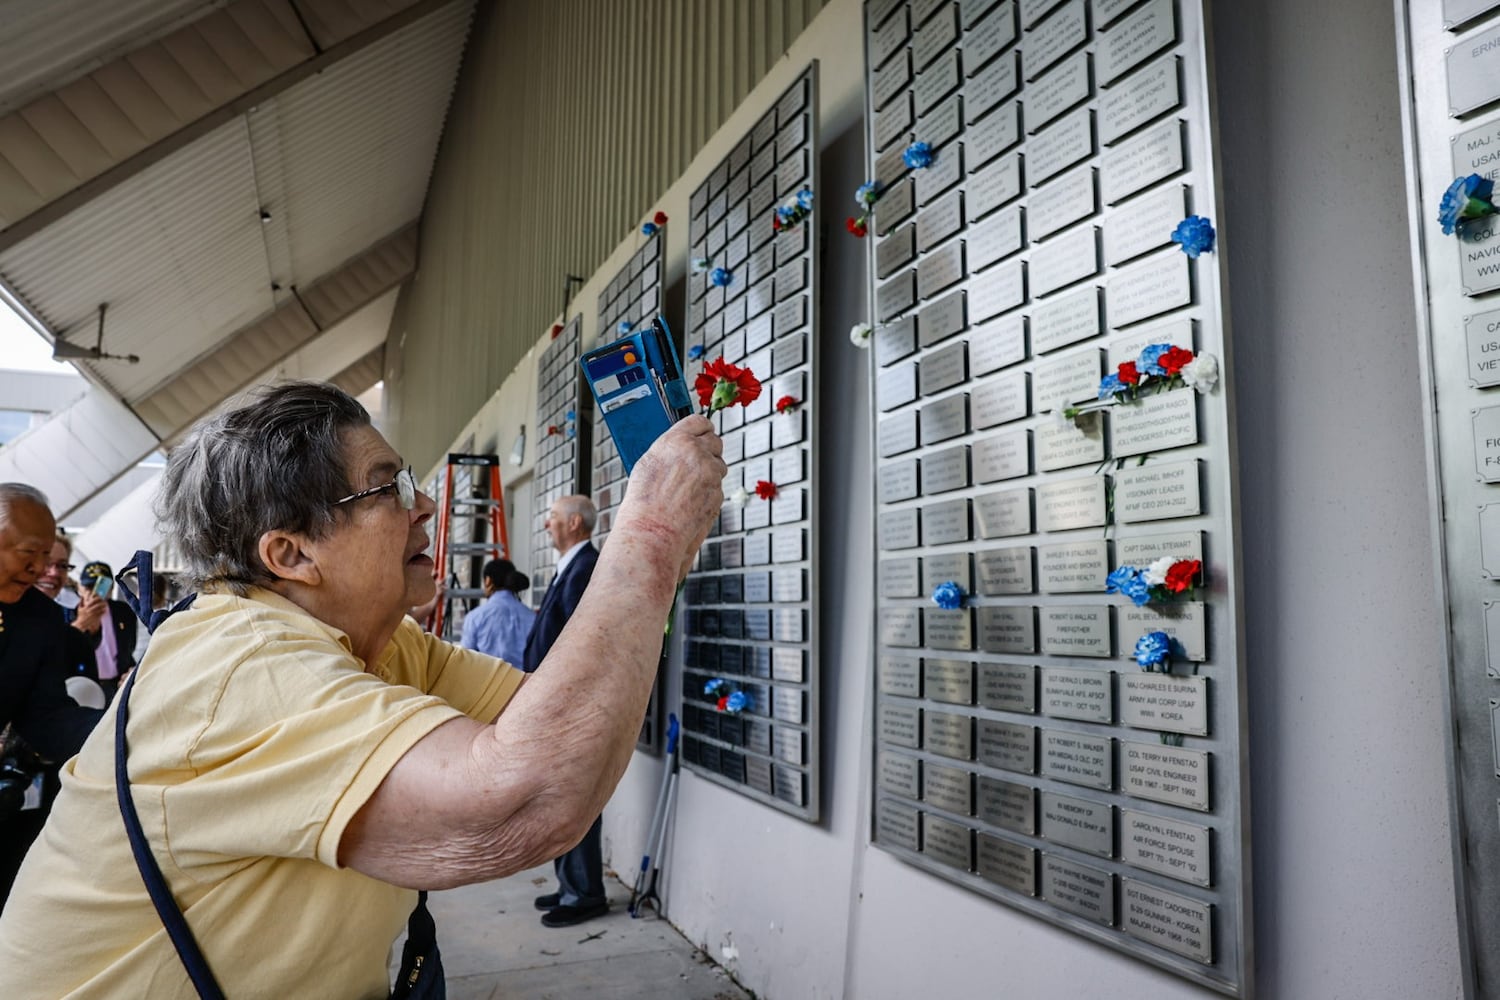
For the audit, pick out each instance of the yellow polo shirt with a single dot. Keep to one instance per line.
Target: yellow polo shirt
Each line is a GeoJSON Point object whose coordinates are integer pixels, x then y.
{"type": "Point", "coordinates": [255, 736]}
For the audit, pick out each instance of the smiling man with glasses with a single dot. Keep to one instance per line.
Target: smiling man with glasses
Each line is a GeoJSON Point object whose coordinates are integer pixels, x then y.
{"type": "Point", "coordinates": [312, 753]}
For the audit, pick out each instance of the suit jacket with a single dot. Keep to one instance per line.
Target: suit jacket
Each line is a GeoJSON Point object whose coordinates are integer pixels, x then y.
{"type": "Point", "coordinates": [83, 645]}
{"type": "Point", "coordinates": [33, 666]}
{"type": "Point", "coordinates": [558, 604]}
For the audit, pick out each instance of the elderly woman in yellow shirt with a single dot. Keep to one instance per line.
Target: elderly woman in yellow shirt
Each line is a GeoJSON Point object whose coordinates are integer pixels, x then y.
{"type": "Point", "coordinates": [302, 756]}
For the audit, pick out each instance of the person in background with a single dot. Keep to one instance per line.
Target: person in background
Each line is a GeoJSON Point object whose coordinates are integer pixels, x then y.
{"type": "Point", "coordinates": [34, 665]}
{"type": "Point", "coordinates": [114, 638]}
{"type": "Point", "coordinates": [82, 617]}
{"type": "Point", "coordinates": [580, 872]}
{"type": "Point", "coordinates": [502, 623]}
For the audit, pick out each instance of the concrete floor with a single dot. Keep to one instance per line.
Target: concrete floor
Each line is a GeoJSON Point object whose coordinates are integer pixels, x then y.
{"type": "Point", "coordinates": [495, 948]}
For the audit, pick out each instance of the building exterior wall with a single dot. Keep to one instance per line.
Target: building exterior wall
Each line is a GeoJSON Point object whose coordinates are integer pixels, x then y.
{"type": "Point", "coordinates": [1352, 883]}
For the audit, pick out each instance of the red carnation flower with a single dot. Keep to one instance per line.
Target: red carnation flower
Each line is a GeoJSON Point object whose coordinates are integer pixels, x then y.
{"type": "Point", "coordinates": [765, 489]}
{"type": "Point", "coordinates": [787, 403]}
{"type": "Point", "coordinates": [1173, 361]}
{"type": "Point", "coordinates": [660, 218]}
{"type": "Point", "coordinates": [856, 226]}
{"type": "Point", "coordinates": [723, 702]}
{"type": "Point", "coordinates": [556, 329]}
{"type": "Point", "coordinates": [722, 384]}
{"type": "Point", "coordinates": [776, 223]}
{"type": "Point", "coordinates": [553, 429]}
{"type": "Point", "coordinates": [1182, 575]}
{"type": "Point", "coordinates": [1128, 374]}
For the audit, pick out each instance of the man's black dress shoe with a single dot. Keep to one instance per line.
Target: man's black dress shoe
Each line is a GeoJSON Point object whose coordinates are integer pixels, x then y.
{"type": "Point", "coordinates": [549, 901]}
{"type": "Point", "coordinates": [567, 916]}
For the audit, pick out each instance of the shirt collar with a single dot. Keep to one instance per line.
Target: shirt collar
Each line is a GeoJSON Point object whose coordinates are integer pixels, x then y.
{"type": "Point", "coordinates": [567, 557]}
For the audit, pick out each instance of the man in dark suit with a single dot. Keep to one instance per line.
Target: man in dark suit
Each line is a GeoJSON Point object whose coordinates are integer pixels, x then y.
{"type": "Point", "coordinates": [580, 872]}
{"type": "Point", "coordinates": [114, 636]}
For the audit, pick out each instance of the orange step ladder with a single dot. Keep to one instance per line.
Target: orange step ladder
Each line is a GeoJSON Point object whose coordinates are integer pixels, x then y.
{"type": "Point", "coordinates": [472, 506]}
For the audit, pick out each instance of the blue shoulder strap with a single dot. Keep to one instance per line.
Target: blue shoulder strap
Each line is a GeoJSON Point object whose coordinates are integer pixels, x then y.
{"type": "Point", "coordinates": [140, 602]}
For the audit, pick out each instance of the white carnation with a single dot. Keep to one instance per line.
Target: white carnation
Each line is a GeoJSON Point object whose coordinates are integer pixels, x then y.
{"type": "Point", "coordinates": [1156, 573]}
{"type": "Point", "coordinates": [1202, 373]}
{"type": "Point", "coordinates": [740, 497]}
{"type": "Point", "coordinates": [860, 334]}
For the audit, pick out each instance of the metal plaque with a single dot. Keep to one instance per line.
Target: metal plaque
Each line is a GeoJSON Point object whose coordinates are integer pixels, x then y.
{"type": "Point", "coordinates": [943, 369]}
{"type": "Point", "coordinates": [1150, 156]}
{"type": "Point", "coordinates": [1106, 11]}
{"type": "Point", "coordinates": [970, 11]}
{"type": "Point", "coordinates": [1482, 335]}
{"type": "Point", "coordinates": [952, 566]}
{"type": "Point", "coordinates": [948, 788]}
{"type": "Point", "coordinates": [895, 822]}
{"type": "Point", "coordinates": [1142, 550]}
{"type": "Point", "coordinates": [942, 124]}
{"type": "Point", "coordinates": [1487, 443]}
{"type": "Point", "coordinates": [1032, 11]}
{"type": "Point", "coordinates": [1065, 259]}
{"type": "Point", "coordinates": [901, 577]}
{"type": "Point", "coordinates": [896, 387]}
{"type": "Point", "coordinates": [1086, 695]}
{"type": "Point", "coordinates": [895, 250]}
{"type": "Point", "coordinates": [1005, 571]}
{"type": "Point", "coordinates": [1152, 286]}
{"type": "Point", "coordinates": [1059, 90]}
{"type": "Point", "coordinates": [900, 724]}
{"type": "Point", "coordinates": [1056, 149]}
{"type": "Point", "coordinates": [1144, 224]}
{"type": "Point", "coordinates": [901, 627]}
{"type": "Point", "coordinates": [983, 42]}
{"type": "Point", "coordinates": [1076, 630]}
{"type": "Point", "coordinates": [996, 238]}
{"type": "Point", "coordinates": [948, 842]}
{"type": "Point", "coordinates": [897, 434]}
{"type": "Point", "coordinates": [1010, 687]}
{"type": "Point", "coordinates": [895, 341]}
{"type": "Point", "coordinates": [1072, 503]}
{"type": "Point", "coordinates": [1004, 513]}
{"type": "Point", "coordinates": [1007, 864]}
{"type": "Point", "coordinates": [1475, 152]}
{"type": "Point", "coordinates": [947, 522]}
{"type": "Point", "coordinates": [1073, 567]}
{"type": "Point", "coordinates": [896, 295]}
{"type": "Point", "coordinates": [1164, 703]}
{"type": "Point", "coordinates": [1076, 758]}
{"type": "Point", "coordinates": [789, 545]}
{"type": "Point", "coordinates": [1489, 540]}
{"type": "Point", "coordinates": [992, 136]}
{"type": "Point", "coordinates": [899, 200]}
{"type": "Point", "coordinates": [891, 124]}
{"type": "Point", "coordinates": [1474, 72]}
{"type": "Point", "coordinates": [1136, 39]}
{"type": "Point", "coordinates": [993, 186]}
{"type": "Point", "coordinates": [1154, 423]}
{"type": "Point", "coordinates": [1183, 621]}
{"type": "Point", "coordinates": [950, 681]}
{"type": "Point", "coordinates": [1457, 12]}
{"type": "Point", "coordinates": [1060, 382]}
{"type": "Point", "coordinates": [1007, 629]}
{"type": "Point", "coordinates": [1479, 255]}
{"type": "Point", "coordinates": [950, 629]}
{"type": "Point", "coordinates": [888, 82]}
{"type": "Point", "coordinates": [1007, 746]}
{"type": "Point", "coordinates": [1065, 320]}
{"type": "Point", "coordinates": [1168, 920]}
{"type": "Point", "coordinates": [1071, 198]}
{"type": "Point", "coordinates": [937, 82]}
{"type": "Point", "coordinates": [1166, 846]}
{"type": "Point", "coordinates": [941, 319]}
{"type": "Point", "coordinates": [1000, 399]}
{"type": "Point", "coordinates": [1006, 804]}
{"type": "Point", "coordinates": [900, 675]}
{"type": "Point", "coordinates": [933, 37]}
{"type": "Point", "coordinates": [997, 344]}
{"type": "Point", "coordinates": [938, 221]}
{"type": "Point", "coordinates": [896, 772]}
{"type": "Point", "coordinates": [1082, 890]}
{"type": "Point", "coordinates": [1132, 103]}
{"type": "Point", "coordinates": [1155, 491]}
{"type": "Point", "coordinates": [1063, 444]}
{"type": "Point", "coordinates": [788, 744]}
{"type": "Point", "coordinates": [1165, 774]}
{"type": "Point", "coordinates": [949, 735]}
{"type": "Point", "coordinates": [994, 84]}
{"type": "Point", "coordinates": [898, 529]}
{"type": "Point", "coordinates": [945, 470]}
{"type": "Point", "coordinates": [942, 175]}
{"type": "Point", "coordinates": [1082, 824]}
{"type": "Point", "coordinates": [1060, 34]}
{"type": "Point", "coordinates": [1002, 455]}
{"type": "Point", "coordinates": [998, 290]}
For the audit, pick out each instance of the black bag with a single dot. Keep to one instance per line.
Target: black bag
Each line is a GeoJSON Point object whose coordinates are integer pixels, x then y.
{"type": "Point", "coordinates": [421, 975]}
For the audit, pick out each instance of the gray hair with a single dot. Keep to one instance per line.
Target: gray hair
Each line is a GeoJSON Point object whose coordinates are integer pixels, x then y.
{"type": "Point", "coordinates": [12, 494]}
{"type": "Point", "coordinates": [582, 506]}
{"type": "Point", "coordinates": [273, 461]}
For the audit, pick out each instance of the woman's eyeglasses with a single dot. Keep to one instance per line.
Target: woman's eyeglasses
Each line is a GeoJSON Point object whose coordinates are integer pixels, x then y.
{"type": "Point", "coordinates": [405, 485]}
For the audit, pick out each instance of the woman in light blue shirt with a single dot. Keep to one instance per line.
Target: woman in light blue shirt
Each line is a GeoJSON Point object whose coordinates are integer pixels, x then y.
{"type": "Point", "coordinates": [501, 624]}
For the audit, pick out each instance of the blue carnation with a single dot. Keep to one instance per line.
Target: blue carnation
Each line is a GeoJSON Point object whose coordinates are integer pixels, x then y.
{"type": "Point", "coordinates": [1153, 649]}
{"type": "Point", "coordinates": [721, 276]}
{"type": "Point", "coordinates": [1195, 234]}
{"type": "Point", "coordinates": [784, 214]}
{"type": "Point", "coordinates": [868, 194]}
{"type": "Point", "coordinates": [648, 228]}
{"type": "Point", "coordinates": [623, 326]}
{"type": "Point", "coordinates": [1468, 197]}
{"type": "Point", "coordinates": [713, 687]}
{"type": "Point", "coordinates": [738, 702]}
{"type": "Point", "coordinates": [1109, 385]}
{"type": "Point", "coordinates": [1120, 579]}
{"type": "Point", "coordinates": [1149, 361]}
{"type": "Point", "coordinates": [570, 415]}
{"type": "Point", "coordinates": [918, 156]}
{"type": "Point", "coordinates": [695, 352]}
{"type": "Point", "coordinates": [805, 199]}
{"type": "Point", "coordinates": [948, 595]}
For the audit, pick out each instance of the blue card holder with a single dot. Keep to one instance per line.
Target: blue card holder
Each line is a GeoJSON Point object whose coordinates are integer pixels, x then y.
{"type": "Point", "coordinates": [638, 385]}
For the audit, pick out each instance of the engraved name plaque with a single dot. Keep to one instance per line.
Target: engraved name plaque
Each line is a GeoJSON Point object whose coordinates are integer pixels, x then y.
{"type": "Point", "coordinates": [1474, 72]}
{"type": "Point", "coordinates": [1008, 746]}
{"type": "Point", "coordinates": [1072, 503]}
{"type": "Point", "coordinates": [1056, 149]}
{"type": "Point", "coordinates": [948, 566]}
{"type": "Point", "coordinates": [1131, 103]}
{"type": "Point", "coordinates": [945, 470]}
{"type": "Point", "coordinates": [895, 341]}
{"type": "Point", "coordinates": [995, 82]}
{"type": "Point", "coordinates": [947, 522]}
{"type": "Point", "coordinates": [1060, 34]}
{"type": "Point", "coordinates": [1165, 774]}
{"type": "Point", "coordinates": [1144, 224]}
{"type": "Point", "coordinates": [1001, 288]}
{"type": "Point", "coordinates": [1184, 622]}
{"type": "Point", "coordinates": [1006, 804]}
{"type": "Point", "coordinates": [1082, 890]}
{"type": "Point", "coordinates": [1078, 759]}
{"type": "Point", "coordinates": [898, 434]}
{"type": "Point", "coordinates": [1065, 259]}
{"type": "Point", "coordinates": [1135, 39]}
{"type": "Point", "coordinates": [949, 735]}
{"type": "Point", "coordinates": [1004, 629]}
{"type": "Point", "coordinates": [1155, 491]}
{"type": "Point", "coordinates": [1059, 205]}
{"type": "Point", "coordinates": [1166, 846]}
{"type": "Point", "coordinates": [996, 184]}
{"type": "Point", "coordinates": [1065, 320]}
{"type": "Point", "coordinates": [1004, 571]}
{"type": "Point", "coordinates": [900, 578]}
{"type": "Point", "coordinates": [1003, 514]}
{"type": "Point", "coordinates": [950, 681]}
{"type": "Point", "coordinates": [950, 629]}
{"type": "Point", "coordinates": [1057, 91]}
{"type": "Point", "coordinates": [1065, 444]}
{"type": "Point", "coordinates": [900, 724]}
{"type": "Point", "coordinates": [1167, 919]}
{"type": "Point", "coordinates": [941, 319]}
{"type": "Point", "coordinates": [1079, 823]}
{"type": "Point", "coordinates": [1479, 256]}
{"type": "Point", "coordinates": [1002, 455]}
{"type": "Point", "coordinates": [1149, 288]}
{"type": "Point", "coordinates": [1073, 567]}
{"type": "Point", "coordinates": [899, 482]}
{"type": "Point", "coordinates": [899, 773]}
{"type": "Point", "coordinates": [1086, 695]}
{"type": "Point", "coordinates": [947, 841]}
{"type": "Point", "coordinates": [947, 418]}
{"type": "Point", "coordinates": [1007, 864]}
{"type": "Point", "coordinates": [1482, 334]}
{"type": "Point", "coordinates": [1142, 160]}
{"type": "Point", "coordinates": [990, 36]}
{"type": "Point", "coordinates": [1010, 687]}
{"type": "Point", "coordinates": [938, 221]}
{"type": "Point", "coordinates": [1164, 703]}
{"type": "Point", "coordinates": [1076, 630]}
{"type": "Point", "coordinates": [896, 823]}
{"type": "Point", "coordinates": [948, 788]}
{"type": "Point", "coordinates": [1000, 399]}
{"type": "Point", "coordinates": [900, 675]}
{"type": "Point", "coordinates": [901, 627]}
{"type": "Point", "coordinates": [1155, 423]}
{"type": "Point", "coordinates": [996, 345]}
{"type": "Point", "coordinates": [1142, 550]}
{"type": "Point", "coordinates": [898, 529]}
{"type": "Point", "coordinates": [995, 239]}
{"type": "Point", "coordinates": [994, 135]}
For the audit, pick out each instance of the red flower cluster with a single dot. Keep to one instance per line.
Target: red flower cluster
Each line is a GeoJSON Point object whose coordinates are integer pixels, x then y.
{"type": "Point", "coordinates": [1183, 574]}
{"type": "Point", "coordinates": [723, 702]}
{"type": "Point", "coordinates": [556, 329]}
{"type": "Point", "coordinates": [1174, 360]}
{"type": "Point", "coordinates": [786, 403]}
{"type": "Point", "coordinates": [553, 429]}
{"type": "Point", "coordinates": [660, 218]}
{"type": "Point", "coordinates": [856, 226]}
{"type": "Point", "coordinates": [766, 490]}
{"type": "Point", "coordinates": [1128, 373]}
{"type": "Point", "coordinates": [722, 384]}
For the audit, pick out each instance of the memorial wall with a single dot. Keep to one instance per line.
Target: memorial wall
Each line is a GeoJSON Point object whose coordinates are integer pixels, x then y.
{"type": "Point", "coordinates": [1452, 84]}
{"type": "Point", "coordinates": [564, 410]}
{"type": "Point", "coordinates": [750, 706]}
{"type": "Point", "coordinates": [1059, 685]}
